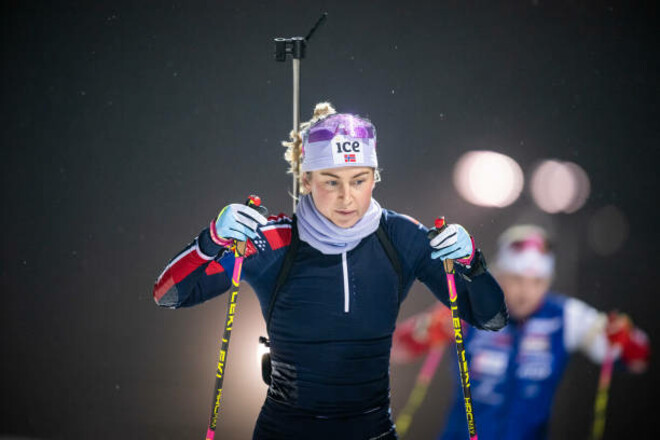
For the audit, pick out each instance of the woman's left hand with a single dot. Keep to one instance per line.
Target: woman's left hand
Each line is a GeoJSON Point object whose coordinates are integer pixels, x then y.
{"type": "Point", "coordinates": [453, 243]}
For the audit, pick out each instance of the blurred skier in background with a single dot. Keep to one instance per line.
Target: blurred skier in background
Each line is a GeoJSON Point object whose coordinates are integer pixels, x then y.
{"type": "Point", "coordinates": [515, 372]}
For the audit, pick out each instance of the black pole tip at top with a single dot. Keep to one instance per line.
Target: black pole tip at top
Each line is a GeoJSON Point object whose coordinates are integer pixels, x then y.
{"type": "Point", "coordinates": [296, 46]}
{"type": "Point", "coordinates": [318, 23]}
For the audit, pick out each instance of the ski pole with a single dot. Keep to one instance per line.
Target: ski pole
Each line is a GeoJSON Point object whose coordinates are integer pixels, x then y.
{"type": "Point", "coordinates": [297, 48]}
{"type": "Point", "coordinates": [604, 380]}
{"type": "Point", "coordinates": [458, 333]}
{"type": "Point", "coordinates": [239, 252]}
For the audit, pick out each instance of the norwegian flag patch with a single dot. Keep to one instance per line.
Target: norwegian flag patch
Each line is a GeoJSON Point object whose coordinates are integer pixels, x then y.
{"type": "Point", "coordinates": [349, 158]}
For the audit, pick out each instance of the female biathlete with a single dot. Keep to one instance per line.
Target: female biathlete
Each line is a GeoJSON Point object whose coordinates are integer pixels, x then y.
{"type": "Point", "coordinates": [330, 281]}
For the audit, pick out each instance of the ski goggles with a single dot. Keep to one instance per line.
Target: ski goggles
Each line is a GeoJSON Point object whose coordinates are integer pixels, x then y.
{"type": "Point", "coordinates": [535, 242]}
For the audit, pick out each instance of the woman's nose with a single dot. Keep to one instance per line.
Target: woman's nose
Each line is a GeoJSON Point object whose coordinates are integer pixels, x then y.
{"type": "Point", "coordinates": [345, 191]}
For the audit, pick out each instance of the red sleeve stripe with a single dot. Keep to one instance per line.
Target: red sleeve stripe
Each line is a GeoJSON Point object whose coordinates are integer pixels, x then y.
{"type": "Point", "coordinates": [162, 287]}
{"type": "Point", "coordinates": [278, 218]}
{"type": "Point", "coordinates": [213, 268]}
{"type": "Point", "coordinates": [277, 236]}
{"type": "Point", "coordinates": [182, 266]}
{"type": "Point", "coordinates": [193, 253]}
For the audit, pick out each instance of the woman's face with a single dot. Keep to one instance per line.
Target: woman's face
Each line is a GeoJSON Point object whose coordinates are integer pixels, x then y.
{"type": "Point", "coordinates": [523, 294]}
{"type": "Point", "coordinates": [343, 194]}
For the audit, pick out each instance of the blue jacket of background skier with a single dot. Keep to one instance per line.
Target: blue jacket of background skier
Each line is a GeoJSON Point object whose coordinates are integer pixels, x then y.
{"type": "Point", "coordinates": [331, 327]}
{"type": "Point", "coordinates": [514, 374]}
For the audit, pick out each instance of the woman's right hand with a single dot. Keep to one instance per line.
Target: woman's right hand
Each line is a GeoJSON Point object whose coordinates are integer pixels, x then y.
{"type": "Point", "coordinates": [236, 222]}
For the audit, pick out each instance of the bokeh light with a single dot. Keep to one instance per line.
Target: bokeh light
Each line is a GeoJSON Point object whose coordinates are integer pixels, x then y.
{"type": "Point", "coordinates": [582, 187]}
{"type": "Point", "coordinates": [608, 230]}
{"type": "Point", "coordinates": [487, 178]}
{"type": "Point", "coordinates": [558, 186]}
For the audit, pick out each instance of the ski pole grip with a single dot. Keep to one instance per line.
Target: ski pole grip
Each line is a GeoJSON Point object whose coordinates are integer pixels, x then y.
{"type": "Point", "coordinates": [439, 225]}
{"type": "Point", "coordinates": [254, 202]}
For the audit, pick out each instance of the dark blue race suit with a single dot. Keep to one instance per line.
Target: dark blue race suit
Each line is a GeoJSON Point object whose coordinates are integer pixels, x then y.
{"type": "Point", "coordinates": [331, 326]}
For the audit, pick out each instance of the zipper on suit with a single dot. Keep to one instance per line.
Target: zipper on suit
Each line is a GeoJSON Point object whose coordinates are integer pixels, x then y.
{"type": "Point", "coordinates": [344, 265]}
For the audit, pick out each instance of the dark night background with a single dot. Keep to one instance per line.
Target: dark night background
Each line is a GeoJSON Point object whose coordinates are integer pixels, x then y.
{"type": "Point", "coordinates": [127, 126]}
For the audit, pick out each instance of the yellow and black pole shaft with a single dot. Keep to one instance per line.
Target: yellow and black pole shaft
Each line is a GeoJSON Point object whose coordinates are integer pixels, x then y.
{"type": "Point", "coordinates": [458, 334]}
{"type": "Point", "coordinates": [239, 252]}
{"type": "Point", "coordinates": [602, 393]}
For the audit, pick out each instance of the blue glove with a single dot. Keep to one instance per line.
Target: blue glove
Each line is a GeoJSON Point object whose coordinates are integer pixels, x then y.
{"type": "Point", "coordinates": [453, 243]}
{"type": "Point", "coordinates": [236, 222]}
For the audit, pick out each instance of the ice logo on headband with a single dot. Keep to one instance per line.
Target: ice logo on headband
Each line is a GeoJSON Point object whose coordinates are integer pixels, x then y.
{"type": "Point", "coordinates": [338, 141]}
{"type": "Point", "coordinates": [346, 150]}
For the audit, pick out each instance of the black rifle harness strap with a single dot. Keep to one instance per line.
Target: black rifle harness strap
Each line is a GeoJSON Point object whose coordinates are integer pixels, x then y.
{"type": "Point", "coordinates": [289, 258]}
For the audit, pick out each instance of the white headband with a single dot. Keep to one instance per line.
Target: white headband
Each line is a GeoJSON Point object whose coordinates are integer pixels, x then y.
{"type": "Point", "coordinates": [339, 140]}
{"type": "Point", "coordinates": [528, 262]}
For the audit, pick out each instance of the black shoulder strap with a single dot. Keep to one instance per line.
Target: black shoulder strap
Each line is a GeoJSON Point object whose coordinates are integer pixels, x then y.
{"type": "Point", "coordinates": [289, 257]}
{"type": "Point", "coordinates": [391, 254]}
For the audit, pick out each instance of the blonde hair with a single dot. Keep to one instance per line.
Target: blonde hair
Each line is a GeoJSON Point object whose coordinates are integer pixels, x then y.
{"type": "Point", "coordinates": [293, 146]}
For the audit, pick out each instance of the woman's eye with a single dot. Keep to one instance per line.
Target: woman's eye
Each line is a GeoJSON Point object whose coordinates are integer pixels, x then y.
{"type": "Point", "coordinates": [358, 182]}
{"type": "Point", "coordinates": [331, 183]}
